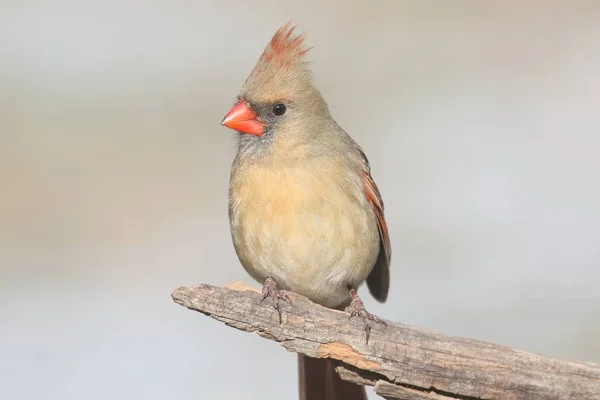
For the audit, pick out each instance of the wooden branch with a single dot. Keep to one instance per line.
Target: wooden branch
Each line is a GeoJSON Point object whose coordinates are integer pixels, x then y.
{"type": "Point", "coordinates": [400, 361]}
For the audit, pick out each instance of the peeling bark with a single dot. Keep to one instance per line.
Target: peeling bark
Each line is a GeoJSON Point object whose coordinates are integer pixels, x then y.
{"type": "Point", "coordinates": [400, 361]}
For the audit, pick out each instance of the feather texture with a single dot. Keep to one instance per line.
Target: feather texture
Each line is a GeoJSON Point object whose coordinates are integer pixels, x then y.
{"type": "Point", "coordinates": [378, 280]}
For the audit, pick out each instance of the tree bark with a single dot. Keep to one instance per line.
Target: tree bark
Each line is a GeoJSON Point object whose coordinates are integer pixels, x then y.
{"type": "Point", "coordinates": [399, 361]}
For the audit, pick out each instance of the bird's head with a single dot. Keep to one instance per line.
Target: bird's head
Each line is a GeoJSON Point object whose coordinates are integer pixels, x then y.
{"type": "Point", "coordinates": [278, 100]}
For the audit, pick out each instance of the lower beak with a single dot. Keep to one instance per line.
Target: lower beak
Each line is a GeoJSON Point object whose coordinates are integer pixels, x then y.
{"type": "Point", "coordinates": [243, 119]}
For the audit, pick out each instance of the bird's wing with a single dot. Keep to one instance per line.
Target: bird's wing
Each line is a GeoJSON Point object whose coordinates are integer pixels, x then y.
{"type": "Point", "coordinates": [378, 280]}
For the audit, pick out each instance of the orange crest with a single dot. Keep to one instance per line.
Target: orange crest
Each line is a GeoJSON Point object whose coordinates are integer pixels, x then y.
{"type": "Point", "coordinates": [285, 49]}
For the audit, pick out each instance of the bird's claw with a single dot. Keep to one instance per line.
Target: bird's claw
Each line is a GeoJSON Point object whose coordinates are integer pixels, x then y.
{"type": "Point", "coordinates": [270, 290]}
{"type": "Point", "coordinates": [357, 309]}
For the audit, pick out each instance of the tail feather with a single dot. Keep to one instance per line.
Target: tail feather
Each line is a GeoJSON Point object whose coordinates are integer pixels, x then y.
{"type": "Point", "coordinates": [319, 381]}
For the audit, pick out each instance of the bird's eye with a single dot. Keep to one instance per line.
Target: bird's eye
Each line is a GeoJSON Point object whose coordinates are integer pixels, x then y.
{"type": "Point", "coordinates": [279, 109]}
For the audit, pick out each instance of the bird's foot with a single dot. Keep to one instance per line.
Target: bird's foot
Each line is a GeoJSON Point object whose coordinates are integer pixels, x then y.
{"type": "Point", "coordinates": [270, 290]}
{"type": "Point", "coordinates": [357, 309]}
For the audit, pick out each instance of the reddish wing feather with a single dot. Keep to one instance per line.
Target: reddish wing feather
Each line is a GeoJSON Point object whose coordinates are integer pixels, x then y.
{"type": "Point", "coordinates": [376, 201]}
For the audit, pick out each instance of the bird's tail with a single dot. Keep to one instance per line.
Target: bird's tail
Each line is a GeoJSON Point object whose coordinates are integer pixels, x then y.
{"type": "Point", "coordinates": [319, 381]}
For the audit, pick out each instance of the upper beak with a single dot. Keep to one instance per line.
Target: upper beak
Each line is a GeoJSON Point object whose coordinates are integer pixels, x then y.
{"type": "Point", "coordinates": [243, 119]}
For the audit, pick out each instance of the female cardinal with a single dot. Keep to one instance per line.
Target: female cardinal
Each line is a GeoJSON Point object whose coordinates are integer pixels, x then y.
{"type": "Point", "coordinates": [305, 213]}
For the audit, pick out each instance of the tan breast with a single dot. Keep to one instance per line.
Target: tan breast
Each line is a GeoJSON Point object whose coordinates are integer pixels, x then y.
{"type": "Point", "coordinates": [313, 232]}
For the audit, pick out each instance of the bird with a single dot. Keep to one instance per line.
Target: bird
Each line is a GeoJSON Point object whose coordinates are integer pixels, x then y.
{"type": "Point", "coordinates": [305, 213]}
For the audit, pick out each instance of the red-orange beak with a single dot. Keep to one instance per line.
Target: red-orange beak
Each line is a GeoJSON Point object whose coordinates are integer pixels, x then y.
{"type": "Point", "coordinates": [243, 119]}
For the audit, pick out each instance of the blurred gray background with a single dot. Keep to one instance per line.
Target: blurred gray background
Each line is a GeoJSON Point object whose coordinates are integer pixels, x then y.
{"type": "Point", "coordinates": [480, 120]}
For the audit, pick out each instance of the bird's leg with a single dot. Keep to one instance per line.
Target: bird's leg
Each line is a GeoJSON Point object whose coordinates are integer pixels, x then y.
{"type": "Point", "coordinates": [357, 308]}
{"type": "Point", "coordinates": [270, 290]}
